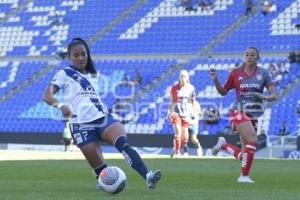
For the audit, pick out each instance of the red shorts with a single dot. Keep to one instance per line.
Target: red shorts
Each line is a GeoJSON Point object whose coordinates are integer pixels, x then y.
{"type": "Point", "coordinates": [237, 117]}
{"type": "Point", "coordinates": [177, 119]}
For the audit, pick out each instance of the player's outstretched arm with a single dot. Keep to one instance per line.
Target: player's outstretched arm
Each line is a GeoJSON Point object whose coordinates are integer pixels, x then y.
{"type": "Point", "coordinates": [48, 96]}
{"type": "Point", "coordinates": [49, 99]}
{"type": "Point", "coordinates": [271, 96]}
{"type": "Point", "coordinates": [213, 75]}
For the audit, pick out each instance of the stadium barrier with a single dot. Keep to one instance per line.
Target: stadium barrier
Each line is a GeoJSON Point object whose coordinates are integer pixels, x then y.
{"type": "Point", "coordinates": [137, 140]}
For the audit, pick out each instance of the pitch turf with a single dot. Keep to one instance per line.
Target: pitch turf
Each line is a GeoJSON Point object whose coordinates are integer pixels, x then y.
{"type": "Point", "coordinates": [184, 179]}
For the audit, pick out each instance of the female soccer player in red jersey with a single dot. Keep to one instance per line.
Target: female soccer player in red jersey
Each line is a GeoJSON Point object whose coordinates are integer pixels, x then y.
{"type": "Point", "coordinates": [249, 81]}
{"type": "Point", "coordinates": [180, 107]}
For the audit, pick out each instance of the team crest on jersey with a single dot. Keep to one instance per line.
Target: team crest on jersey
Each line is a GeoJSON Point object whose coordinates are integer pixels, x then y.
{"type": "Point", "coordinates": [259, 77]}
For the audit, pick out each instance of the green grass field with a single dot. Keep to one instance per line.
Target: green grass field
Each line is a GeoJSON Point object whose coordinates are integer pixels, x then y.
{"type": "Point", "coordinates": [184, 179]}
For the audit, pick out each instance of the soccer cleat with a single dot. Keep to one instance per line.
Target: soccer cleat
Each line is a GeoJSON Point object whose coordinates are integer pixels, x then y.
{"type": "Point", "coordinates": [152, 178]}
{"type": "Point", "coordinates": [245, 179]}
{"type": "Point", "coordinates": [199, 151]}
{"type": "Point", "coordinates": [172, 155]}
{"type": "Point", "coordinates": [215, 150]}
{"type": "Point", "coordinates": [176, 155]}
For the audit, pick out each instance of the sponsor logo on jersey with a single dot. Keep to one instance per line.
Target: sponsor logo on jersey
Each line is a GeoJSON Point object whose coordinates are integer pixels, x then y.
{"type": "Point", "coordinates": [248, 93]}
{"type": "Point", "coordinates": [89, 91]}
{"type": "Point", "coordinates": [249, 85]}
{"type": "Point", "coordinates": [240, 78]}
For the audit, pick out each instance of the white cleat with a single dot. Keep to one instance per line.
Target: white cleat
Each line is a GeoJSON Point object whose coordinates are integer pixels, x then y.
{"type": "Point", "coordinates": [177, 156]}
{"type": "Point", "coordinates": [174, 155]}
{"type": "Point", "coordinates": [199, 152]}
{"type": "Point", "coordinates": [245, 179]}
{"type": "Point", "coordinates": [152, 178]}
{"type": "Point", "coordinates": [215, 150]}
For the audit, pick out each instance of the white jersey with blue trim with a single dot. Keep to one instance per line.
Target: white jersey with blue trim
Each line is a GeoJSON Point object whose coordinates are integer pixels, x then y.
{"type": "Point", "coordinates": [81, 94]}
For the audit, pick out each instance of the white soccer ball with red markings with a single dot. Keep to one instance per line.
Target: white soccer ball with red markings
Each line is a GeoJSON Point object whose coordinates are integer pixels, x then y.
{"type": "Point", "coordinates": [112, 179]}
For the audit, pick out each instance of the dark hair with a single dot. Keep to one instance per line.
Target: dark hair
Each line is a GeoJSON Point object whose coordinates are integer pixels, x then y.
{"type": "Point", "coordinates": [90, 66]}
{"type": "Point", "coordinates": [257, 52]}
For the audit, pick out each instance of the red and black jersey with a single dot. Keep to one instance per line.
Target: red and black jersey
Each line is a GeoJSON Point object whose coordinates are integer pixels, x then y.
{"type": "Point", "coordinates": [246, 87]}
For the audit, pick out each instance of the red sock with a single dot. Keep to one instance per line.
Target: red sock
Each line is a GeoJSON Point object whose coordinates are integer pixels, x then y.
{"type": "Point", "coordinates": [233, 150]}
{"type": "Point", "coordinates": [247, 158]}
{"type": "Point", "coordinates": [177, 145]}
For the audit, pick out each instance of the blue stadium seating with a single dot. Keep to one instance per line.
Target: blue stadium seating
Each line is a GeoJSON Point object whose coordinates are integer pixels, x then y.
{"type": "Point", "coordinates": [259, 31]}
{"type": "Point", "coordinates": [156, 27]}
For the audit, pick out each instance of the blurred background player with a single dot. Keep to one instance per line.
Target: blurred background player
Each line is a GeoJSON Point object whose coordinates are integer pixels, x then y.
{"type": "Point", "coordinates": [249, 81]}
{"type": "Point", "coordinates": [90, 121]}
{"type": "Point", "coordinates": [193, 129]}
{"type": "Point", "coordinates": [181, 102]}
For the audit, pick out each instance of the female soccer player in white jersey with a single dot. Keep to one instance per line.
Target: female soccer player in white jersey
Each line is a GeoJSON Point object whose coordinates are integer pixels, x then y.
{"type": "Point", "coordinates": [193, 128]}
{"type": "Point", "coordinates": [180, 108]}
{"type": "Point", "coordinates": [90, 121]}
{"type": "Point", "coordinates": [249, 81]}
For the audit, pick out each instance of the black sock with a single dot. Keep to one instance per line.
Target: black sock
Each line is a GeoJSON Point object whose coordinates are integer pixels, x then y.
{"type": "Point", "coordinates": [131, 156]}
{"type": "Point", "coordinates": [99, 169]}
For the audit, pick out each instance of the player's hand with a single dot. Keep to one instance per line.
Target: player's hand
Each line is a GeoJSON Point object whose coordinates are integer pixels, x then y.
{"type": "Point", "coordinates": [259, 95]}
{"type": "Point", "coordinates": [66, 112]}
{"type": "Point", "coordinates": [213, 73]}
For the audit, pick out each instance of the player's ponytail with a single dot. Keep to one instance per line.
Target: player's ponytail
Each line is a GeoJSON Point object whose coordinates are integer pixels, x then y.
{"type": "Point", "coordinates": [90, 67]}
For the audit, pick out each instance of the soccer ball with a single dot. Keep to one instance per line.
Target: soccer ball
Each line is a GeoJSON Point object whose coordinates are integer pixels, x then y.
{"type": "Point", "coordinates": [112, 179]}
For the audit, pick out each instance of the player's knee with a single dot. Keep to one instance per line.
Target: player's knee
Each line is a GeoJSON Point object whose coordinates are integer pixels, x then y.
{"type": "Point", "coordinates": [177, 134]}
{"type": "Point", "coordinates": [252, 141]}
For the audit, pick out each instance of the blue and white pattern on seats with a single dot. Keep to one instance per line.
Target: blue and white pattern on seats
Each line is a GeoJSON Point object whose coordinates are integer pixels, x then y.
{"type": "Point", "coordinates": [168, 9]}
{"type": "Point", "coordinates": [283, 23]}
{"type": "Point", "coordinates": [10, 76]}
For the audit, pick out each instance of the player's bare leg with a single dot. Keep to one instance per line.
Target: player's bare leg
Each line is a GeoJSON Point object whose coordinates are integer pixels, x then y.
{"type": "Point", "coordinates": [185, 139]}
{"type": "Point", "coordinates": [196, 143]}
